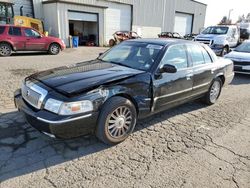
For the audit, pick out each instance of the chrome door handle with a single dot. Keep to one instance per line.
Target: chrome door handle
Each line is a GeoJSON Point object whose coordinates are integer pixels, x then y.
{"type": "Point", "coordinates": [189, 76]}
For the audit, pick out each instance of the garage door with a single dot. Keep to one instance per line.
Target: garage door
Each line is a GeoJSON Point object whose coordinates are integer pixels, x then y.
{"type": "Point", "coordinates": [183, 23]}
{"type": "Point", "coordinates": [79, 16]}
{"type": "Point", "coordinates": [118, 18]}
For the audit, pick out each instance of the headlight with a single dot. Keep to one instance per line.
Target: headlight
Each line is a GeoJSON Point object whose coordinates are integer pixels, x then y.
{"type": "Point", "coordinates": [53, 105]}
{"type": "Point", "coordinates": [71, 108]}
{"type": "Point", "coordinates": [76, 107]}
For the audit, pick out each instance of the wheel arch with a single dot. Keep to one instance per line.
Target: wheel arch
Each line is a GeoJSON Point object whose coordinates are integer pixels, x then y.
{"type": "Point", "coordinates": [9, 43]}
{"type": "Point", "coordinates": [54, 43]}
{"type": "Point", "coordinates": [222, 77]}
{"type": "Point", "coordinates": [130, 98]}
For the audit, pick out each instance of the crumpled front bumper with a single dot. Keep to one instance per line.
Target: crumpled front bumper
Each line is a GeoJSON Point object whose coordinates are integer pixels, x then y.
{"type": "Point", "coordinates": [55, 125]}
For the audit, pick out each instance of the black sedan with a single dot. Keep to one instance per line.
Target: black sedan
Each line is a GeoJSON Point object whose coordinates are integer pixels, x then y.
{"type": "Point", "coordinates": [133, 80]}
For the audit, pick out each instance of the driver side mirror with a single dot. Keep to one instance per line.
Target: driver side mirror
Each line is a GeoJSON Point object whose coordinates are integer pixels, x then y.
{"type": "Point", "coordinates": [40, 36]}
{"type": "Point", "coordinates": [168, 69]}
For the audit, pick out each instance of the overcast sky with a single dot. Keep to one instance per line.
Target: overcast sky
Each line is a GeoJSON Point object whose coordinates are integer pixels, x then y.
{"type": "Point", "coordinates": [216, 9]}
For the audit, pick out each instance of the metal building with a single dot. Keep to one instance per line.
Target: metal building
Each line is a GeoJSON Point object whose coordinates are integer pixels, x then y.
{"type": "Point", "coordinates": [25, 5]}
{"type": "Point", "coordinates": [101, 18]}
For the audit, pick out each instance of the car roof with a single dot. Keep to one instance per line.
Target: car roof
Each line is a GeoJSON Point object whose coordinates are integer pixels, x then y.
{"type": "Point", "coordinates": [162, 41]}
{"type": "Point", "coordinates": [11, 25]}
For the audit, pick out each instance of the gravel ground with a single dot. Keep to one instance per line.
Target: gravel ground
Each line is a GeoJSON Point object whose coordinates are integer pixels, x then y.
{"type": "Point", "coordinates": [193, 145]}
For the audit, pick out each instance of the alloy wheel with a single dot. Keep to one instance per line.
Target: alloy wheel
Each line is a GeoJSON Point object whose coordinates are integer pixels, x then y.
{"type": "Point", "coordinates": [215, 91]}
{"type": "Point", "coordinates": [119, 122]}
{"type": "Point", "coordinates": [5, 50]}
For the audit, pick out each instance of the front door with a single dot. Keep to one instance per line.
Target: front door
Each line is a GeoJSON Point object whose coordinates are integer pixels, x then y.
{"type": "Point", "coordinates": [34, 40]}
{"type": "Point", "coordinates": [171, 89]}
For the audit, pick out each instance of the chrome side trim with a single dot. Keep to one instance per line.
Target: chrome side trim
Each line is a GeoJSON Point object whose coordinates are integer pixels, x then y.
{"type": "Point", "coordinates": [202, 85]}
{"type": "Point", "coordinates": [64, 121]}
{"type": "Point", "coordinates": [172, 94]}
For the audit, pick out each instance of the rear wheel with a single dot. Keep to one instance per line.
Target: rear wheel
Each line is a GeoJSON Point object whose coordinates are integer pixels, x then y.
{"type": "Point", "coordinates": [214, 92]}
{"type": "Point", "coordinates": [5, 49]}
{"type": "Point", "coordinates": [54, 49]}
{"type": "Point", "coordinates": [117, 120]}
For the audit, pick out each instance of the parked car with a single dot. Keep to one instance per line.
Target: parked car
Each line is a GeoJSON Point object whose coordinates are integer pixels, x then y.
{"type": "Point", "coordinates": [190, 36]}
{"type": "Point", "coordinates": [170, 35]}
{"type": "Point", "coordinates": [120, 36]}
{"type": "Point", "coordinates": [17, 38]}
{"type": "Point", "coordinates": [241, 58]}
{"type": "Point", "coordinates": [244, 31]}
{"type": "Point", "coordinates": [220, 38]}
{"type": "Point", "coordinates": [133, 80]}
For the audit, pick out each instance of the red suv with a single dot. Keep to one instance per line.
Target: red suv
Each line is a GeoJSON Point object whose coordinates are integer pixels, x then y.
{"type": "Point", "coordinates": [16, 38]}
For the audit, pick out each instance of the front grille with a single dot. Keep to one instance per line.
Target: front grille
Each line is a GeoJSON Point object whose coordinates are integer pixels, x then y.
{"type": "Point", "coordinates": [204, 41]}
{"type": "Point", "coordinates": [33, 94]}
{"type": "Point", "coordinates": [241, 63]}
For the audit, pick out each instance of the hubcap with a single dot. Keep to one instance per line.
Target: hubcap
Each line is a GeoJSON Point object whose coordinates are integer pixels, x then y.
{"type": "Point", "coordinates": [119, 122]}
{"type": "Point", "coordinates": [54, 49]}
{"type": "Point", "coordinates": [215, 91]}
{"type": "Point", "coordinates": [4, 50]}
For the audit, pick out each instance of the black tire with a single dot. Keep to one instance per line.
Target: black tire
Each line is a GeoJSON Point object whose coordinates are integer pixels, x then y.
{"type": "Point", "coordinates": [5, 49]}
{"type": "Point", "coordinates": [118, 116]}
{"type": "Point", "coordinates": [112, 42]}
{"type": "Point", "coordinates": [209, 99]}
{"type": "Point", "coordinates": [224, 51]}
{"type": "Point", "coordinates": [54, 49]}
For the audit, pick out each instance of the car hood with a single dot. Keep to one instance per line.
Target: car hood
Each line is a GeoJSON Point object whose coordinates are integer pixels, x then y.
{"type": "Point", "coordinates": [238, 56]}
{"type": "Point", "coordinates": [80, 77]}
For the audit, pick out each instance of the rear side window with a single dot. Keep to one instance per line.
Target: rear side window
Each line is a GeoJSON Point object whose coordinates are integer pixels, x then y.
{"type": "Point", "coordinates": [2, 28]}
{"type": "Point", "coordinates": [15, 31]}
{"type": "Point", "coordinates": [207, 57]}
{"type": "Point", "coordinates": [196, 54]}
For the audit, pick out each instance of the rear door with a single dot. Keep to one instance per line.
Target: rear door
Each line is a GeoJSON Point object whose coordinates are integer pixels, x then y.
{"type": "Point", "coordinates": [203, 68]}
{"type": "Point", "coordinates": [15, 35]}
{"type": "Point", "coordinates": [34, 40]}
{"type": "Point", "coordinates": [173, 88]}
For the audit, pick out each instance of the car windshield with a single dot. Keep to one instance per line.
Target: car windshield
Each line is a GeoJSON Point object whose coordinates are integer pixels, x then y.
{"type": "Point", "coordinates": [244, 47]}
{"type": "Point", "coordinates": [136, 55]}
{"type": "Point", "coordinates": [216, 30]}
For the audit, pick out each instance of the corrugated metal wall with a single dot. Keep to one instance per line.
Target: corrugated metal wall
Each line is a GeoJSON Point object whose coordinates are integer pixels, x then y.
{"type": "Point", "coordinates": [27, 7]}
{"type": "Point", "coordinates": [149, 16]}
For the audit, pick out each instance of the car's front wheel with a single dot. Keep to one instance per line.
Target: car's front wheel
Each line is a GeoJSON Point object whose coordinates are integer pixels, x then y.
{"type": "Point", "coordinates": [5, 49]}
{"type": "Point", "coordinates": [214, 92]}
{"type": "Point", "coordinates": [54, 49]}
{"type": "Point", "coordinates": [116, 121]}
{"type": "Point", "coordinates": [224, 51]}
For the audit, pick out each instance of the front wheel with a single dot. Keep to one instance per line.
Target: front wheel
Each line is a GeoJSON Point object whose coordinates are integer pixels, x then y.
{"type": "Point", "coordinates": [214, 92]}
{"type": "Point", "coordinates": [224, 51]}
{"type": "Point", "coordinates": [5, 49]}
{"type": "Point", "coordinates": [54, 49]}
{"type": "Point", "coordinates": [116, 121]}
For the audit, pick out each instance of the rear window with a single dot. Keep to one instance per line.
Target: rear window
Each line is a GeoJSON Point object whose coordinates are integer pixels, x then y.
{"type": "Point", "coordinates": [2, 28]}
{"type": "Point", "coordinates": [15, 31]}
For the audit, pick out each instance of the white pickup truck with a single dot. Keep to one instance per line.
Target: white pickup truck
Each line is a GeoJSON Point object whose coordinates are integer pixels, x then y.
{"type": "Point", "coordinates": [220, 38]}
